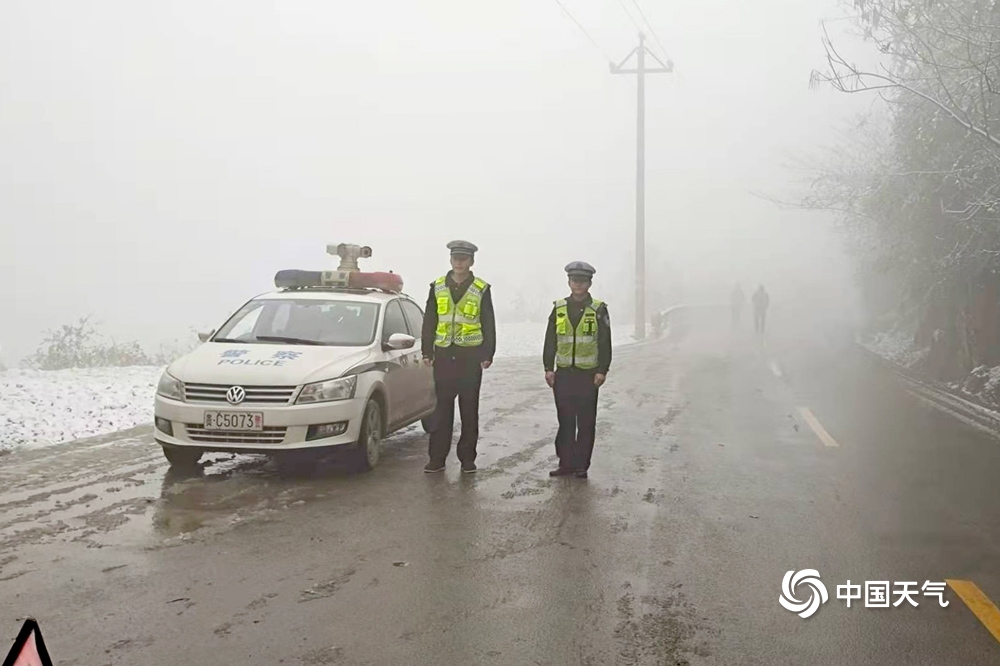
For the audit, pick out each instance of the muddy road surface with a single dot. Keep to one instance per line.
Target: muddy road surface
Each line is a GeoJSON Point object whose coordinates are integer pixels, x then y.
{"type": "Point", "coordinates": [721, 464]}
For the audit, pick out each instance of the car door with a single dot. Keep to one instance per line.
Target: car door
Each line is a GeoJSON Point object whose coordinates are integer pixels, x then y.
{"type": "Point", "coordinates": [423, 384]}
{"type": "Point", "coordinates": [398, 378]}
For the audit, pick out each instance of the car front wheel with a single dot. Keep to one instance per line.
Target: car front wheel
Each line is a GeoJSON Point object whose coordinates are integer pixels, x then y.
{"type": "Point", "coordinates": [370, 442]}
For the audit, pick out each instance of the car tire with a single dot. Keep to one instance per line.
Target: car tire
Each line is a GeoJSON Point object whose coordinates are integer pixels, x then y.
{"type": "Point", "coordinates": [181, 457]}
{"type": "Point", "coordinates": [369, 448]}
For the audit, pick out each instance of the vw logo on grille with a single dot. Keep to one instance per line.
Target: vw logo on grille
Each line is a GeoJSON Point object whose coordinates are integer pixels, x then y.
{"type": "Point", "coordinates": [235, 395]}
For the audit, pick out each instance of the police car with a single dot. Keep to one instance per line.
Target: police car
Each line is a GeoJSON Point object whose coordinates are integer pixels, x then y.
{"type": "Point", "coordinates": [331, 359]}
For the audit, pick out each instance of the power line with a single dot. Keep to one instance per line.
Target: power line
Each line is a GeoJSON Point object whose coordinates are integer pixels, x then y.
{"type": "Point", "coordinates": [629, 14]}
{"type": "Point", "coordinates": [583, 30]}
{"type": "Point", "coordinates": [652, 30]}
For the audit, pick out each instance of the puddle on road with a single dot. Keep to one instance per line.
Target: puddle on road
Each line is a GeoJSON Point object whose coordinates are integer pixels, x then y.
{"type": "Point", "coordinates": [120, 497]}
{"type": "Point", "coordinates": [127, 496]}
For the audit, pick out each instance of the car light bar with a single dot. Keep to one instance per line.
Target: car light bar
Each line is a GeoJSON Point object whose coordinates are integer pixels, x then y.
{"type": "Point", "coordinates": [346, 275]}
{"type": "Point", "coordinates": [291, 278]}
{"type": "Point", "coordinates": [298, 279]}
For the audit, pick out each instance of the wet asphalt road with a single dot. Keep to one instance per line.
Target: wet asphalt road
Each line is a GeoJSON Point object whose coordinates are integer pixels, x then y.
{"type": "Point", "coordinates": [708, 485]}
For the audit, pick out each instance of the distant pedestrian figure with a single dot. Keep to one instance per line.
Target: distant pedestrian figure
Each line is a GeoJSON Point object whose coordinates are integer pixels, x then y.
{"type": "Point", "coordinates": [760, 302]}
{"type": "Point", "coordinates": [736, 301]}
{"type": "Point", "coordinates": [657, 324]}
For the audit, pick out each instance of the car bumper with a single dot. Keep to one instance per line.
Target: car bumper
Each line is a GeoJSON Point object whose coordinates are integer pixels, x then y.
{"type": "Point", "coordinates": [285, 428]}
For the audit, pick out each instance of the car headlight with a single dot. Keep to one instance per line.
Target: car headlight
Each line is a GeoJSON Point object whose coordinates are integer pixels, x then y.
{"type": "Point", "coordinates": [334, 389]}
{"type": "Point", "coordinates": [170, 387]}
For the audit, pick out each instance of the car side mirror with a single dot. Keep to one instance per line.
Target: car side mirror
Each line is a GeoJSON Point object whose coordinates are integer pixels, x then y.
{"type": "Point", "coordinates": [203, 336]}
{"type": "Point", "coordinates": [400, 341]}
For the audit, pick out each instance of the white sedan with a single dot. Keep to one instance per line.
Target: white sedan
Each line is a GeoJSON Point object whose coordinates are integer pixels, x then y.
{"type": "Point", "coordinates": [296, 370]}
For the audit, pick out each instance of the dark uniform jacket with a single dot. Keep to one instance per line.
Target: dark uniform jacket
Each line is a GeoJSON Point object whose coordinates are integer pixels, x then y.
{"type": "Point", "coordinates": [575, 311]}
{"type": "Point", "coordinates": [483, 352]}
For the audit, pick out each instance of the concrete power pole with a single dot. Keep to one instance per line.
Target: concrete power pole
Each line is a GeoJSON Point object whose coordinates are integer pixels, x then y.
{"type": "Point", "coordinates": [640, 172]}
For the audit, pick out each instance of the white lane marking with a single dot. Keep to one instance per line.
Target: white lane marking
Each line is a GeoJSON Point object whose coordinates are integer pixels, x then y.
{"type": "Point", "coordinates": [775, 368]}
{"type": "Point", "coordinates": [817, 427]}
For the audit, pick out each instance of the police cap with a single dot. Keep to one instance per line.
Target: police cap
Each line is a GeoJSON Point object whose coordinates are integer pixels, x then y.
{"type": "Point", "coordinates": [462, 247]}
{"type": "Point", "coordinates": [580, 269]}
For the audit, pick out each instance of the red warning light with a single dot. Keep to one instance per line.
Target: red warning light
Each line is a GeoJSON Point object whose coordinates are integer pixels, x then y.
{"type": "Point", "coordinates": [386, 281]}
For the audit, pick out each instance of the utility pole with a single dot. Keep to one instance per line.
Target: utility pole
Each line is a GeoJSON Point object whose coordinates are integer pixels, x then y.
{"type": "Point", "coordinates": [640, 171]}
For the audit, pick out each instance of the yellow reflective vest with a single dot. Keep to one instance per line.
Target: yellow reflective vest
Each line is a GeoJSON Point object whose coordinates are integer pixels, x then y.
{"type": "Point", "coordinates": [577, 347]}
{"type": "Point", "coordinates": [459, 323]}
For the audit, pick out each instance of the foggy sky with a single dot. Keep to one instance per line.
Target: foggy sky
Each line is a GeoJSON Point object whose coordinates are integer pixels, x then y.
{"type": "Point", "coordinates": [160, 161]}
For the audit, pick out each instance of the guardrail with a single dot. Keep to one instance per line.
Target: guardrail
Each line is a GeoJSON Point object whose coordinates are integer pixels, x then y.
{"type": "Point", "coordinates": [962, 406]}
{"type": "Point", "coordinates": [671, 321]}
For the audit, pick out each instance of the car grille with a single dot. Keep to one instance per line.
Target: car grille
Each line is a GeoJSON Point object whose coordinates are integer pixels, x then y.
{"type": "Point", "coordinates": [270, 435]}
{"type": "Point", "coordinates": [260, 395]}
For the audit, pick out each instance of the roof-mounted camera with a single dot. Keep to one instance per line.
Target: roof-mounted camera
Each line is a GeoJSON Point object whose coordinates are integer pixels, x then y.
{"type": "Point", "coordinates": [349, 255]}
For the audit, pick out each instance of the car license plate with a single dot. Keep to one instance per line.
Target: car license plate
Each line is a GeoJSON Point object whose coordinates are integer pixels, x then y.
{"type": "Point", "coordinates": [237, 421]}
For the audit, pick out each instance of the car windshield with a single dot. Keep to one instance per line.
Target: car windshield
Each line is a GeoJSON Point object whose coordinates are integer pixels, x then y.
{"type": "Point", "coordinates": [302, 322]}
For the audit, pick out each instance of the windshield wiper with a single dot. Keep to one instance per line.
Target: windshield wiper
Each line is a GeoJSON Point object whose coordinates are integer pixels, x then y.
{"type": "Point", "coordinates": [291, 341]}
{"type": "Point", "coordinates": [241, 342]}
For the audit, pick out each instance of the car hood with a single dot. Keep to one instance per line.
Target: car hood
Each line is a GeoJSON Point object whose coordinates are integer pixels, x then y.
{"type": "Point", "coordinates": [265, 364]}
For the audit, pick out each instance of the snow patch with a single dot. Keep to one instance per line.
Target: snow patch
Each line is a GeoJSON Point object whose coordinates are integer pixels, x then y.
{"type": "Point", "coordinates": [992, 381]}
{"type": "Point", "coordinates": [897, 346]}
{"type": "Point", "coordinates": [40, 408]}
{"type": "Point", "coordinates": [982, 383]}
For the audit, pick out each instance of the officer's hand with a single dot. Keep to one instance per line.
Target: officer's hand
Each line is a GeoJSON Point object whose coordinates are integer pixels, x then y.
{"type": "Point", "coordinates": [599, 380]}
{"type": "Point", "coordinates": [550, 378]}
{"type": "Point", "coordinates": [487, 364]}
{"type": "Point", "coordinates": [428, 361]}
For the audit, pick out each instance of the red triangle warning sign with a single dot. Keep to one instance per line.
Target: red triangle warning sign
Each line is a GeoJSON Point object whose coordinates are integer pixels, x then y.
{"type": "Point", "coordinates": [29, 648]}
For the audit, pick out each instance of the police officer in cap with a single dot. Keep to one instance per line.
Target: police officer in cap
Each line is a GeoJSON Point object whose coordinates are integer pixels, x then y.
{"type": "Point", "coordinates": [577, 357]}
{"type": "Point", "coordinates": [459, 339]}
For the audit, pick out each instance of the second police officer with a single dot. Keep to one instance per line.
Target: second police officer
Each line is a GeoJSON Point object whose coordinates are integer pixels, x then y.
{"type": "Point", "coordinates": [459, 338]}
{"type": "Point", "coordinates": [577, 357]}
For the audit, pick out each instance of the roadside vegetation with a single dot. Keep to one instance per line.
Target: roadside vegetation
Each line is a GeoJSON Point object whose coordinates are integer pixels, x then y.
{"type": "Point", "coordinates": [916, 184]}
{"type": "Point", "coordinates": [81, 345]}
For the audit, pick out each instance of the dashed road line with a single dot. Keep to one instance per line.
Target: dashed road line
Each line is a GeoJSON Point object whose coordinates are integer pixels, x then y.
{"type": "Point", "coordinates": [817, 427]}
{"type": "Point", "coordinates": [978, 603]}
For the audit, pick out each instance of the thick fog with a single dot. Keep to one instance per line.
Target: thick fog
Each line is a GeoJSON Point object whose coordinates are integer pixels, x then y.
{"type": "Point", "coordinates": [160, 161]}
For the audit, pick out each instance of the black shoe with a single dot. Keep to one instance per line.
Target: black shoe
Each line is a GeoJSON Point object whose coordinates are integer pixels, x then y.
{"type": "Point", "coordinates": [562, 471]}
{"type": "Point", "coordinates": [469, 468]}
{"type": "Point", "coordinates": [581, 474]}
{"type": "Point", "coordinates": [433, 467]}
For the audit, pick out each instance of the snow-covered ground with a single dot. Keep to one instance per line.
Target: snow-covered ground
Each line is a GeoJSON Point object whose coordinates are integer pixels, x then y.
{"type": "Point", "coordinates": [39, 408]}
{"type": "Point", "coordinates": [896, 346]}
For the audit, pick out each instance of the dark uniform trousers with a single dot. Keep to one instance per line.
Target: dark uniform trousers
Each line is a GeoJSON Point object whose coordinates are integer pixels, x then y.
{"type": "Point", "coordinates": [456, 374]}
{"type": "Point", "coordinates": [576, 406]}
